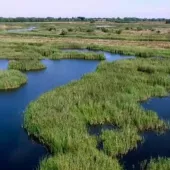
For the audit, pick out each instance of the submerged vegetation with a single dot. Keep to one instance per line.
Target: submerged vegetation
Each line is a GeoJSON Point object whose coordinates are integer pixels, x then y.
{"type": "Point", "coordinates": [11, 79]}
{"type": "Point", "coordinates": [26, 65]}
{"type": "Point", "coordinates": [111, 95]}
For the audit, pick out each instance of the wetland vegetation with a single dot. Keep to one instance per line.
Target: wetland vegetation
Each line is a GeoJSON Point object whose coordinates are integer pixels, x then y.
{"type": "Point", "coordinates": [26, 65]}
{"type": "Point", "coordinates": [159, 164]}
{"type": "Point", "coordinates": [11, 79]}
{"type": "Point", "coordinates": [110, 95]}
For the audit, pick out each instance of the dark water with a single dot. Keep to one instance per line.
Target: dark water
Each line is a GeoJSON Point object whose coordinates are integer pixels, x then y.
{"type": "Point", "coordinates": [18, 151]}
{"type": "Point", "coordinates": [97, 129]}
{"type": "Point", "coordinates": [154, 145]}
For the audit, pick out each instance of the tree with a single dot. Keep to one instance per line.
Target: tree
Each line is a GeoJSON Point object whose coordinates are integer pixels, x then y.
{"type": "Point", "coordinates": [168, 21]}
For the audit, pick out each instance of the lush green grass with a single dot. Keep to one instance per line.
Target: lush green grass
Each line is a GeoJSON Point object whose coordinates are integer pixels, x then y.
{"type": "Point", "coordinates": [119, 142]}
{"type": "Point", "coordinates": [26, 65]}
{"type": "Point", "coordinates": [159, 164]}
{"type": "Point", "coordinates": [11, 79]}
{"type": "Point", "coordinates": [77, 55]}
{"type": "Point", "coordinates": [137, 51]}
{"type": "Point", "coordinates": [111, 94]}
{"type": "Point", "coordinates": [51, 50]}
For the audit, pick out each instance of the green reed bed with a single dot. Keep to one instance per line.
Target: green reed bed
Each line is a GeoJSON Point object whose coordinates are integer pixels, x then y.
{"type": "Point", "coordinates": [119, 142]}
{"type": "Point", "coordinates": [26, 65]}
{"type": "Point", "coordinates": [53, 50]}
{"type": "Point", "coordinates": [159, 164]}
{"type": "Point", "coordinates": [110, 95]}
{"type": "Point", "coordinates": [77, 55]}
{"type": "Point", "coordinates": [11, 79]}
{"type": "Point", "coordinates": [128, 50]}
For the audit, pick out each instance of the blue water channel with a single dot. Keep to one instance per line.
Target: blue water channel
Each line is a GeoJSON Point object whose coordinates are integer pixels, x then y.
{"type": "Point", "coordinates": [155, 145]}
{"type": "Point", "coordinates": [18, 151]}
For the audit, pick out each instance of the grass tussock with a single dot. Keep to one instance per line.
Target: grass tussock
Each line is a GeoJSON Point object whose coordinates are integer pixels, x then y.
{"type": "Point", "coordinates": [26, 65]}
{"type": "Point", "coordinates": [159, 164]}
{"type": "Point", "coordinates": [11, 79]}
{"type": "Point", "coordinates": [119, 142]}
{"type": "Point", "coordinates": [110, 95]}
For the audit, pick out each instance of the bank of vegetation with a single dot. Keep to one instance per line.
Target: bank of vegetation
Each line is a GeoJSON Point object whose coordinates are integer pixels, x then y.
{"type": "Point", "coordinates": [11, 79]}
{"type": "Point", "coordinates": [38, 51]}
{"type": "Point", "coordinates": [77, 55]}
{"type": "Point", "coordinates": [159, 164]}
{"type": "Point", "coordinates": [26, 65]}
{"type": "Point", "coordinates": [59, 118]}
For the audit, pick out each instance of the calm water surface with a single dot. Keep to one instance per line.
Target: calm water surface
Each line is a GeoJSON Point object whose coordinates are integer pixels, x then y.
{"type": "Point", "coordinates": [155, 145]}
{"type": "Point", "coordinates": [18, 152]}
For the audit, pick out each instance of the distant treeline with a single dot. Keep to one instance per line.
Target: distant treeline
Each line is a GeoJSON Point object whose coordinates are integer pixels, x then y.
{"type": "Point", "coordinates": [168, 21]}
{"type": "Point", "coordinates": [51, 19]}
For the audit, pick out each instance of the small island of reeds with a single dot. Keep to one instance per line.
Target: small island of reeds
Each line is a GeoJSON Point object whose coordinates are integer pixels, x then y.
{"type": "Point", "coordinates": [26, 65]}
{"type": "Point", "coordinates": [11, 79]}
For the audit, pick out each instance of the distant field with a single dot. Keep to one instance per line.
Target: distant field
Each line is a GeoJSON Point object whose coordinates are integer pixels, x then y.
{"type": "Point", "coordinates": [141, 31]}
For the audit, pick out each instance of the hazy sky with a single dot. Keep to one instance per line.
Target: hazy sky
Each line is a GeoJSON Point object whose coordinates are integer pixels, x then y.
{"type": "Point", "coordinates": [87, 8]}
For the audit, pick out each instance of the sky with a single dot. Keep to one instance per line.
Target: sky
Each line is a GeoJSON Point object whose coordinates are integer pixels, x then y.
{"type": "Point", "coordinates": [86, 8]}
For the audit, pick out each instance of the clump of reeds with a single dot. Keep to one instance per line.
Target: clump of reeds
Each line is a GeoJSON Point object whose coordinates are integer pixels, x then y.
{"type": "Point", "coordinates": [26, 65]}
{"type": "Point", "coordinates": [159, 164]}
{"type": "Point", "coordinates": [77, 55]}
{"type": "Point", "coordinates": [11, 79]}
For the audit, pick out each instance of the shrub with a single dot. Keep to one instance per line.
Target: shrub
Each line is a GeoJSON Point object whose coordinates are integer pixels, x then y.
{"type": "Point", "coordinates": [51, 28]}
{"type": "Point", "coordinates": [90, 30]}
{"type": "Point", "coordinates": [139, 28]}
{"type": "Point", "coordinates": [168, 21]}
{"type": "Point", "coordinates": [105, 29]}
{"type": "Point", "coordinates": [63, 32]}
{"type": "Point", "coordinates": [152, 29]}
{"type": "Point", "coordinates": [118, 31]}
{"type": "Point", "coordinates": [70, 29]}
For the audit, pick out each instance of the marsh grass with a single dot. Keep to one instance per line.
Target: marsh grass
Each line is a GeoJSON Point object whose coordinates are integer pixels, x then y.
{"type": "Point", "coordinates": [137, 51]}
{"type": "Point", "coordinates": [11, 79]}
{"type": "Point", "coordinates": [159, 164]}
{"type": "Point", "coordinates": [77, 55]}
{"type": "Point", "coordinates": [26, 65]}
{"type": "Point", "coordinates": [110, 95]}
{"type": "Point", "coordinates": [119, 142]}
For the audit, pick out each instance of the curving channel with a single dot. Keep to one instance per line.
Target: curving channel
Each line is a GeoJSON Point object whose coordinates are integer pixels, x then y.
{"type": "Point", "coordinates": [17, 150]}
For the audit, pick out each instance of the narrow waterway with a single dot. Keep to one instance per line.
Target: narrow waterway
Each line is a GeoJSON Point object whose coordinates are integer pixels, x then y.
{"type": "Point", "coordinates": [17, 150]}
